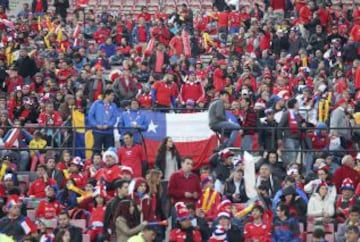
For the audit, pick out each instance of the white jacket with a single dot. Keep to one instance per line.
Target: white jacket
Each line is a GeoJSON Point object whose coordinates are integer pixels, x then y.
{"type": "Point", "coordinates": [312, 186]}
{"type": "Point", "coordinates": [317, 206]}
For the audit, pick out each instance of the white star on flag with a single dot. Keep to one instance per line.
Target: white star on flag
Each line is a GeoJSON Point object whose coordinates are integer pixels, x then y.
{"type": "Point", "coordinates": [152, 127]}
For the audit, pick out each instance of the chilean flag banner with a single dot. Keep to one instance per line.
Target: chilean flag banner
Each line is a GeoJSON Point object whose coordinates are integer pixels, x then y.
{"type": "Point", "coordinates": [189, 131]}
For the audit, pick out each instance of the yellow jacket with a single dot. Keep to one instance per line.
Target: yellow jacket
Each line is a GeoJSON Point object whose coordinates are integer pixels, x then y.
{"type": "Point", "coordinates": [36, 145]}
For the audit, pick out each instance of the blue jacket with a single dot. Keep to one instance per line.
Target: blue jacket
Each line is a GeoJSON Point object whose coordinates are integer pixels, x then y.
{"type": "Point", "coordinates": [286, 231]}
{"type": "Point", "coordinates": [277, 196]}
{"type": "Point", "coordinates": [97, 116]}
{"type": "Point", "coordinates": [134, 35]}
{"type": "Point", "coordinates": [110, 50]}
{"type": "Point", "coordinates": [130, 116]}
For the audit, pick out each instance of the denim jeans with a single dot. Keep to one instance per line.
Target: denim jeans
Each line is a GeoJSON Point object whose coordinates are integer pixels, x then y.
{"type": "Point", "coordinates": [246, 143]}
{"type": "Point", "coordinates": [293, 145]}
{"type": "Point", "coordinates": [227, 127]}
{"type": "Point", "coordinates": [103, 140]}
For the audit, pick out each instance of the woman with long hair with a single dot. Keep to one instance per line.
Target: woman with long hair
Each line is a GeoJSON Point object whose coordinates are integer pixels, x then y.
{"type": "Point", "coordinates": [168, 161]}
{"type": "Point", "coordinates": [127, 220]}
{"type": "Point", "coordinates": [62, 236]}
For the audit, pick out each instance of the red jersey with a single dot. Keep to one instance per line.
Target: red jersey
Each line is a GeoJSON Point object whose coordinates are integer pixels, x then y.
{"type": "Point", "coordinates": [223, 19]}
{"type": "Point", "coordinates": [145, 100]}
{"type": "Point", "coordinates": [177, 235]}
{"type": "Point", "coordinates": [164, 93]}
{"type": "Point", "coordinates": [48, 210]}
{"type": "Point", "coordinates": [37, 187]}
{"type": "Point", "coordinates": [259, 232]}
{"type": "Point", "coordinates": [191, 90]}
{"type": "Point", "coordinates": [100, 35]}
{"type": "Point", "coordinates": [80, 180]}
{"type": "Point", "coordinates": [235, 19]}
{"type": "Point", "coordinates": [219, 80]}
{"type": "Point", "coordinates": [133, 157]}
{"type": "Point", "coordinates": [176, 45]}
{"type": "Point", "coordinates": [13, 82]}
{"type": "Point", "coordinates": [53, 119]}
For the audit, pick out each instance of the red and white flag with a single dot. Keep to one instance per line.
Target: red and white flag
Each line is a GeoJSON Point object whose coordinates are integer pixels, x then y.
{"type": "Point", "coordinates": [28, 226]}
{"type": "Point", "coordinates": [12, 139]}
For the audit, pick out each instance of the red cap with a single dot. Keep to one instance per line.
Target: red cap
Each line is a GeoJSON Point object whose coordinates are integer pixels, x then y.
{"type": "Point", "coordinates": [222, 62]}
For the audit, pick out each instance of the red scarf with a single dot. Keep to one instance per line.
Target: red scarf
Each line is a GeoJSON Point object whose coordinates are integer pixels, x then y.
{"type": "Point", "coordinates": [293, 123]}
{"type": "Point", "coordinates": [159, 61]}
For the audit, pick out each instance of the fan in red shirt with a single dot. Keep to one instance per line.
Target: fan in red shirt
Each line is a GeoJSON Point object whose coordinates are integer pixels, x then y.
{"type": "Point", "coordinates": [110, 173]}
{"type": "Point", "coordinates": [101, 34]}
{"type": "Point", "coordinates": [13, 80]}
{"type": "Point", "coordinates": [176, 45]}
{"type": "Point", "coordinates": [97, 215]}
{"type": "Point", "coordinates": [75, 172]}
{"type": "Point", "coordinates": [164, 92]}
{"type": "Point", "coordinates": [210, 199]}
{"type": "Point", "coordinates": [37, 187]}
{"type": "Point", "coordinates": [49, 207]}
{"type": "Point", "coordinates": [144, 14]}
{"type": "Point", "coordinates": [257, 230]}
{"type": "Point", "coordinates": [219, 76]}
{"type": "Point", "coordinates": [132, 155]}
{"type": "Point", "coordinates": [191, 89]}
{"type": "Point", "coordinates": [50, 117]}
{"type": "Point", "coordinates": [320, 138]}
{"type": "Point", "coordinates": [65, 72]}
{"type": "Point", "coordinates": [145, 99]}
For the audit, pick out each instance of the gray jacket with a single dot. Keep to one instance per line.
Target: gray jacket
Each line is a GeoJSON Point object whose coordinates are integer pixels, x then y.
{"type": "Point", "coordinates": [216, 112]}
{"type": "Point", "coordinates": [339, 119]}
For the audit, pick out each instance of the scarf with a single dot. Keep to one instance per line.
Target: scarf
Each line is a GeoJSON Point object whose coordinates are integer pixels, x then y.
{"type": "Point", "coordinates": [293, 123]}
{"type": "Point", "coordinates": [206, 203]}
{"type": "Point", "coordinates": [159, 61]}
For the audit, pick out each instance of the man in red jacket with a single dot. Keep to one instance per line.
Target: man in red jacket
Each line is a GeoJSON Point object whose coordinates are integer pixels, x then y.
{"type": "Point", "coordinates": [191, 89]}
{"type": "Point", "coordinates": [132, 155]}
{"type": "Point", "coordinates": [346, 171]}
{"type": "Point", "coordinates": [219, 76]}
{"type": "Point", "coordinates": [37, 187]}
{"type": "Point", "coordinates": [184, 185]}
{"type": "Point", "coordinates": [49, 208]}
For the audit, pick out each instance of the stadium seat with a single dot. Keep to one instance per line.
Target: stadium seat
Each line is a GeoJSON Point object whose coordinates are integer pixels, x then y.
{"type": "Point", "coordinates": [81, 223]}
{"type": "Point", "coordinates": [32, 203]}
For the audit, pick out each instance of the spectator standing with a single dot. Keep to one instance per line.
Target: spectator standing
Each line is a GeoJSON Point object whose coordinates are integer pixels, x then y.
{"type": "Point", "coordinates": [102, 118]}
{"type": "Point", "coordinates": [26, 66]}
{"type": "Point", "coordinates": [248, 123]}
{"type": "Point", "coordinates": [133, 120]}
{"type": "Point", "coordinates": [164, 93]}
{"type": "Point", "coordinates": [133, 155]}
{"type": "Point", "coordinates": [340, 123]}
{"type": "Point", "coordinates": [218, 121]}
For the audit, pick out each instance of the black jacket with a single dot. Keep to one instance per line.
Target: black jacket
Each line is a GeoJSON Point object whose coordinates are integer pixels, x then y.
{"type": "Point", "coordinates": [160, 160]}
{"type": "Point", "coordinates": [223, 171]}
{"type": "Point", "coordinates": [26, 66]}
{"type": "Point", "coordinates": [12, 227]}
{"type": "Point", "coordinates": [268, 135]}
{"type": "Point", "coordinates": [75, 233]}
{"type": "Point", "coordinates": [230, 188]}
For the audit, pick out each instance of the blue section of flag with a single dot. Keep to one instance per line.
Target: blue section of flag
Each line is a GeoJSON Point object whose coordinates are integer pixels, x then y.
{"type": "Point", "coordinates": [231, 117]}
{"type": "Point", "coordinates": [157, 126]}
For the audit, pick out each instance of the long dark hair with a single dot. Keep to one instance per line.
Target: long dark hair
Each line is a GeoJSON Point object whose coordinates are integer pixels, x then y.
{"type": "Point", "coordinates": [123, 210]}
{"type": "Point", "coordinates": [59, 235]}
{"type": "Point", "coordinates": [162, 148]}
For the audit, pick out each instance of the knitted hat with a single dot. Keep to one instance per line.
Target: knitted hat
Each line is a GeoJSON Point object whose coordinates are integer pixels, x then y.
{"type": "Point", "coordinates": [138, 182]}
{"type": "Point", "coordinates": [226, 153]}
{"type": "Point", "coordinates": [127, 169]}
{"type": "Point", "coordinates": [224, 204]}
{"type": "Point", "coordinates": [182, 212]}
{"type": "Point", "coordinates": [12, 201]}
{"type": "Point", "coordinates": [205, 180]}
{"type": "Point", "coordinates": [347, 184]}
{"type": "Point", "coordinates": [77, 161]}
{"type": "Point", "coordinates": [223, 214]}
{"type": "Point", "coordinates": [112, 154]}
{"type": "Point", "coordinates": [219, 234]}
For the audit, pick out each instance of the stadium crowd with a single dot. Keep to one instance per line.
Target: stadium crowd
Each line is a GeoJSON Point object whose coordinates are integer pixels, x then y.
{"type": "Point", "coordinates": [287, 70]}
